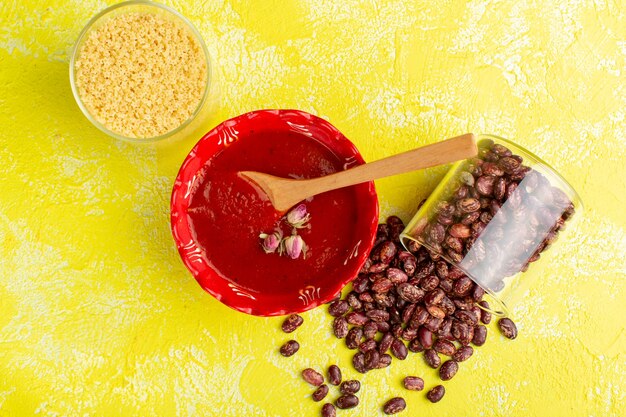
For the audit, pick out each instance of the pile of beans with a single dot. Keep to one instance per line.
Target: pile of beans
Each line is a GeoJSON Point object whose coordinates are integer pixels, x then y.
{"type": "Point", "coordinates": [402, 301]}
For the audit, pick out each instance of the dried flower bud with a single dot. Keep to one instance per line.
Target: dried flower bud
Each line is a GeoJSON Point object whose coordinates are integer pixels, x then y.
{"type": "Point", "coordinates": [294, 245]}
{"type": "Point", "coordinates": [270, 242]}
{"type": "Point", "coordinates": [298, 216]}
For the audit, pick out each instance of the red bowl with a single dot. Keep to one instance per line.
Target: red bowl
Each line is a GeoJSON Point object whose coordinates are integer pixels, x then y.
{"type": "Point", "coordinates": [312, 290]}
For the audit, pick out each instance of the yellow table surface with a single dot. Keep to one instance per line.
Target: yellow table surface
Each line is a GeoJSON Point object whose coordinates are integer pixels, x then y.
{"type": "Point", "coordinates": [98, 315]}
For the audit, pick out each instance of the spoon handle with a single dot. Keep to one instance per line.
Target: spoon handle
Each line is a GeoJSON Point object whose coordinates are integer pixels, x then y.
{"type": "Point", "coordinates": [440, 153]}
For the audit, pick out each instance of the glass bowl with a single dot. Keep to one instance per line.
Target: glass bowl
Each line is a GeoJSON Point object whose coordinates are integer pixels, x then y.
{"type": "Point", "coordinates": [139, 6]}
{"type": "Point", "coordinates": [282, 291]}
{"type": "Point", "coordinates": [493, 216]}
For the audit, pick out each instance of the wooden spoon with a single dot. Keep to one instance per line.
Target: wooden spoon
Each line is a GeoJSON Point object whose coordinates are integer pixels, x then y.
{"type": "Point", "coordinates": [285, 193]}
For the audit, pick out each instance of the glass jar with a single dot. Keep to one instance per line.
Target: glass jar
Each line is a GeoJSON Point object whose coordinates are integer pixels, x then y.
{"type": "Point", "coordinates": [492, 216]}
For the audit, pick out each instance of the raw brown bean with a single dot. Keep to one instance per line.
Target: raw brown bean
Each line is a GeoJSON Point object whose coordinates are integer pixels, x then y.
{"type": "Point", "coordinates": [385, 343]}
{"type": "Point", "coordinates": [408, 312]}
{"type": "Point", "coordinates": [436, 394]}
{"type": "Point", "coordinates": [425, 337]}
{"type": "Point", "coordinates": [367, 345]}
{"type": "Point", "coordinates": [445, 208]}
{"type": "Point", "coordinates": [470, 218]}
{"type": "Point", "coordinates": [370, 329]}
{"type": "Point", "coordinates": [409, 266]}
{"type": "Point", "coordinates": [480, 335]}
{"type": "Point", "coordinates": [448, 370]}
{"type": "Point", "coordinates": [460, 230]}
{"type": "Point", "coordinates": [383, 300]}
{"type": "Point", "coordinates": [463, 353]}
{"type": "Point", "coordinates": [353, 338]}
{"type": "Point", "coordinates": [340, 327]}
{"type": "Point", "coordinates": [334, 375]}
{"type": "Point", "coordinates": [394, 315]}
{"type": "Point", "coordinates": [446, 221]}
{"type": "Point", "coordinates": [328, 410]}
{"type": "Point", "coordinates": [446, 285]}
{"type": "Point", "coordinates": [434, 297]}
{"type": "Point", "coordinates": [410, 293]}
{"type": "Point", "coordinates": [414, 246]}
{"type": "Point", "coordinates": [499, 189]}
{"type": "Point", "coordinates": [432, 359]}
{"type": "Point", "coordinates": [378, 315]}
{"type": "Point", "coordinates": [289, 348]}
{"type": "Point", "coordinates": [456, 257]}
{"type": "Point", "coordinates": [485, 316]}
{"type": "Point", "coordinates": [371, 359]}
{"type": "Point", "coordinates": [436, 232]}
{"type": "Point", "coordinates": [383, 326]}
{"type": "Point", "coordinates": [485, 216]}
{"type": "Point", "coordinates": [462, 286]}
{"type": "Point", "coordinates": [338, 308]}
{"type": "Point", "coordinates": [354, 302]}
{"type": "Point", "coordinates": [441, 267]}
{"type": "Point", "coordinates": [358, 361]}
{"type": "Point", "coordinates": [508, 328]}
{"type": "Point", "coordinates": [396, 330]}
{"type": "Point", "coordinates": [409, 334]}
{"type": "Point", "coordinates": [347, 401]}
{"type": "Point", "coordinates": [444, 330]}
{"type": "Point", "coordinates": [366, 297]}
{"type": "Point", "coordinates": [460, 331]}
{"type": "Point", "coordinates": [413, 383]}
{"type": "Point", "coordinates": [491, 157]}
{"type": "Point", "coordinates": [484, 185]}
{"type": "Point", "coordinates": [492, 169]}
{"type": "Point", "coordinates": [508, 164]}
{"type": "Point", "coordinates": [433, 323]}
{"type": "Point", "coordinates": [424, 269]}
{"type": "Point", "coordinates": [394, 221]}
{"type": "Point", "coordinates": [461, 192]}
{"type": "Point", "coordinates": [466, 317]}
{"type": "Point", "coordinates": [291, 323]}
{"type": "Point", "coordinates": [415, 346]}
{"type": "Point", "coordinates": [387, 251]}
{"type": "Point", "coordinates": [350, 387]}
{"type": "Point", "coordinates": [436, 311]}
{"type": "Point", "coordinates": [429, 283]}
{"type": "Point", "coordinates": [477, 293]}
{"type": "Point", "coordinates": [419, 317]}
{"type": "Point", "coordinates": [466, 205]}
{"type": "Point", "coordinates": [384, 361]}
{"type": "Point", "coordinates": [444, 347]}
{"type": "Point", "coordinates": [398, 349]}
{"type": "Point", "coordinates": [312, 377]}
{"type": "Point", "coordinates": [447, 306]}
{"type": "Point", "coordinates": [500, 150]}
{"type": "Point", "coordinates": [394, 405]}
{"type": "Point", "coordinates": [320, 393]}
{"type": "Point", "coordinates": [360, 283]}
{"type": "Point", "coordinates": [356, 318]}
{"type": "Point", "coordinates": [382, 285]}
{"type": "Point", "coordinates": [396, 276]}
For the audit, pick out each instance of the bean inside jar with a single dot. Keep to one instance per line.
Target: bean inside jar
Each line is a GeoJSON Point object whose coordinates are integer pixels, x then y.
{"type": "Point", "coordinates": [495, 216]}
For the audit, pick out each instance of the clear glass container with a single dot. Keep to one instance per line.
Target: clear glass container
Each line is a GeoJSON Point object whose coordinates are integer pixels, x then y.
{"type": "Point", "coordinates": [493, 216]}
{"type": "Point", "coordinates": [150, 7]}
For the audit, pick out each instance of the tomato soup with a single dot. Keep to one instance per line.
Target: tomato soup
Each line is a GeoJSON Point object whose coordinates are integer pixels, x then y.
{"type": "Point", "coordinates": [227, 213]}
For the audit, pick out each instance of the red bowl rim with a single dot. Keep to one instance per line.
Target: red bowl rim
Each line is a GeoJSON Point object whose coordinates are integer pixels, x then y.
{"type": "Point", "coordinates": [224, 134]}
